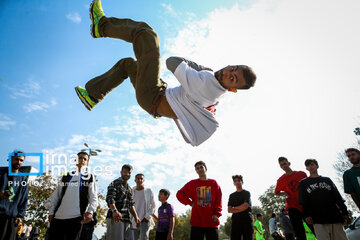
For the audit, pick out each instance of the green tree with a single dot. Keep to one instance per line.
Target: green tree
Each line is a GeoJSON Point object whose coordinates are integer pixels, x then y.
{"type": "Point", "coordinates": [341, 165]}
{"type": "Point", "coordinates": [255, 210]}
{"type": "Point", "coordinates": [40, 191]}
{"type": "Point", "coordinates": [102, 208]}
{"type": "Point", "coordinates": [270, 203]}
{"type": "Point", "coordinates": [152, 233]}
{"type": "Point", "coordinates": [225, 230]}
{"type": "Point", "coordinates": [182, 227]}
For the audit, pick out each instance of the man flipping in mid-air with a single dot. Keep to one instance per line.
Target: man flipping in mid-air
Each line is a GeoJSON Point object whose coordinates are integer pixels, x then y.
{"type": "Point", "coordinates": [191, 105]}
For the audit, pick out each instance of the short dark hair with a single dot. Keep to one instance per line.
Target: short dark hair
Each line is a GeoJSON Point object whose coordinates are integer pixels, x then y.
{"type": "Point", "coordinates": [165, 192]}
{"type": "Point", "coordinates": [82, 152]}
{"type": "Point", "coordinates": [237, 177]}
{"type": "Point", "coordinates": [283, 210]}
{"type": "Point", "coordinates": [273, 215]}
{"type": "Point", "coordinates": [139, 174]}
{"type": "Point", "coordinates": [200, 163]}
{"type": "Point", "coordinates": [127, 167]}
{"type": "Point", "coordinates": [310, 161]}
{"type": "Point", "coordinates": [249, 75]}
{"type": "Point", "coordinates": [258, 215]}
{"type": "Point", "coordinates": [282, 159]}
{"type": "Point", "coordinates": [16, 152]}
{"type": "Point", "coordinates": [352, 150]}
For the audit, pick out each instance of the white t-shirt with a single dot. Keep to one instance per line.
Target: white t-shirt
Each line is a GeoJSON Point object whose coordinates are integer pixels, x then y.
{"type": "Point", "coordinates": [139, 199]}
{"type": "Point", "coordinates": [272, 226]}
{"type": "Point", "coordinates": [70, 204]}
{"type": "Point", "coordinates": [198, 91]}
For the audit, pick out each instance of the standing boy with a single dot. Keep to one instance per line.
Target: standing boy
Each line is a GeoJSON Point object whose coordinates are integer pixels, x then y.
{"type": "Point", "coordinates": [287, 185]}
{"type": "Point", "coordinates": [165, 218]}
{"type": "Point", "coordinates": [204, 196]}
{"type": "Point", "coordinates": [309, 234]}
{"type": "Point", "coordinates": [145, 208]}
{"type": "Point", "coordinates": [259, 227]}
{"type": "Point", "coordinates": [286, 226]}
{"type": "Point", "coordinates": [240, 207]}
{"type": "Point", "coordinates": [190, 105]}
{"type": "Point", "coordinates": [351, 176]}
{"type": "Point", "coordinates": [322, 204]}
{"type": "Point", "coordinates": [274, 232]}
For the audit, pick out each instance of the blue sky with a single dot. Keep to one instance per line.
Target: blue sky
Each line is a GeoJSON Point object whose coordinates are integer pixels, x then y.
{"type": "Point", "coordinates": [46, 50]}
{"type": "Point", "coordinates": [305, 103]}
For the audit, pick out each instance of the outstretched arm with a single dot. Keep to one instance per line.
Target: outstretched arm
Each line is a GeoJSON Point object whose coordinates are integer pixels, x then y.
{"type": "Point", "coordinates": [173, 62]}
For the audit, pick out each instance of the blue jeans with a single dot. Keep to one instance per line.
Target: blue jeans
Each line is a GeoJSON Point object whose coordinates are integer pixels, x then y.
{"type": "Point", "coordinates": [117, 231]}
{"type": "Point", "coordinates": [142, 233]}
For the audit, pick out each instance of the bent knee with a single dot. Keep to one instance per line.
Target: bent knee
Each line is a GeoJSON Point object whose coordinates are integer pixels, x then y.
{"type": "Point", "coordinates": [144, 101]}
{"type": "Point", "coordinates": [148, 35]}
{"type": "Point", "coordinates": [127, 62]}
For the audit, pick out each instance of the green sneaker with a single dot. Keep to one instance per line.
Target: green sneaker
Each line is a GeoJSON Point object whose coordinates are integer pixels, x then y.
{"type": "Point", "coordinates": [85, 98]}
{"type": "Point", "coordinates": [96, 13]}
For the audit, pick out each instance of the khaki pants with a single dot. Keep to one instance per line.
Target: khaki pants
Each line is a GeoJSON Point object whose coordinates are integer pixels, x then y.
{"type": "Point", "coordinates": [144, 72]}
{"type": "Point", "coordinates": [330, 231]}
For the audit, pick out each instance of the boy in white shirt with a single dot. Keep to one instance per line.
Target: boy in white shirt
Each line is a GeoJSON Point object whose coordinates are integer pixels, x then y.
{"type": "Point", "coordinates": [144, 203]}
{"type": "Point", "coordinates": [191, 105]}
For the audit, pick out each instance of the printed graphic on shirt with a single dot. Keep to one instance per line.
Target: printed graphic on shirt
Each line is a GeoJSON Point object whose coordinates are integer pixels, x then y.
{"type": "Point", "coordinates": [11, 190]}
{"type": "Point", "coordinates": [321, 185]}
{"type": "Point", "coordinates": [358, 179]}
{"type": "Point", "coordinates": [203, 196]}
{"type": "Point", "coordinates": [293, 185]}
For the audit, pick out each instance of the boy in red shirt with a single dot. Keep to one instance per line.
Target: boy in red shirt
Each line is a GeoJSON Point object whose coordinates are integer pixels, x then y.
{"type": "Point", "coordinates": [204, 195]}
{"type": "Point", "coordinates": [287, 185]}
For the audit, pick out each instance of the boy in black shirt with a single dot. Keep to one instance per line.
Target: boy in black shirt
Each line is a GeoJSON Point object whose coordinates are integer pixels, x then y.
{"type": "Point", "coordinates": [322, 204]}
{"type": "Point", "coordinates": [240, 207]}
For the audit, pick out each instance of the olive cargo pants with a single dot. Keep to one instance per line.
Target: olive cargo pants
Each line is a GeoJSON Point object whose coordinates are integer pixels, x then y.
{"type": "Point", "coordinates": [144, 72]}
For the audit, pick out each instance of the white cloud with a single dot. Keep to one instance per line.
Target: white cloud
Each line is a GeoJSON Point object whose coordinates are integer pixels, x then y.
{"type": "Point", "coordinates": [6, 122]}
{"type": "Point", "coordinates": [28, 89]}
{"type": "Point", "coordinates": [33, 159]}
{"type": "Point", "coordinates": [305, 101]}
{"type": "Point", "coordinates": [74, 17]}
{"type": "Point", "coordinates": [39, 106]}
{"type": "Point", "coordinates": [169, 9]}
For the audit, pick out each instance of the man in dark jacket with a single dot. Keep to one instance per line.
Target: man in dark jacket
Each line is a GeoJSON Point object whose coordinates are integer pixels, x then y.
{"type": "Point", "coordinates": [286, 226]}
{"type": "Point", "coordinates": [13, 197]}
